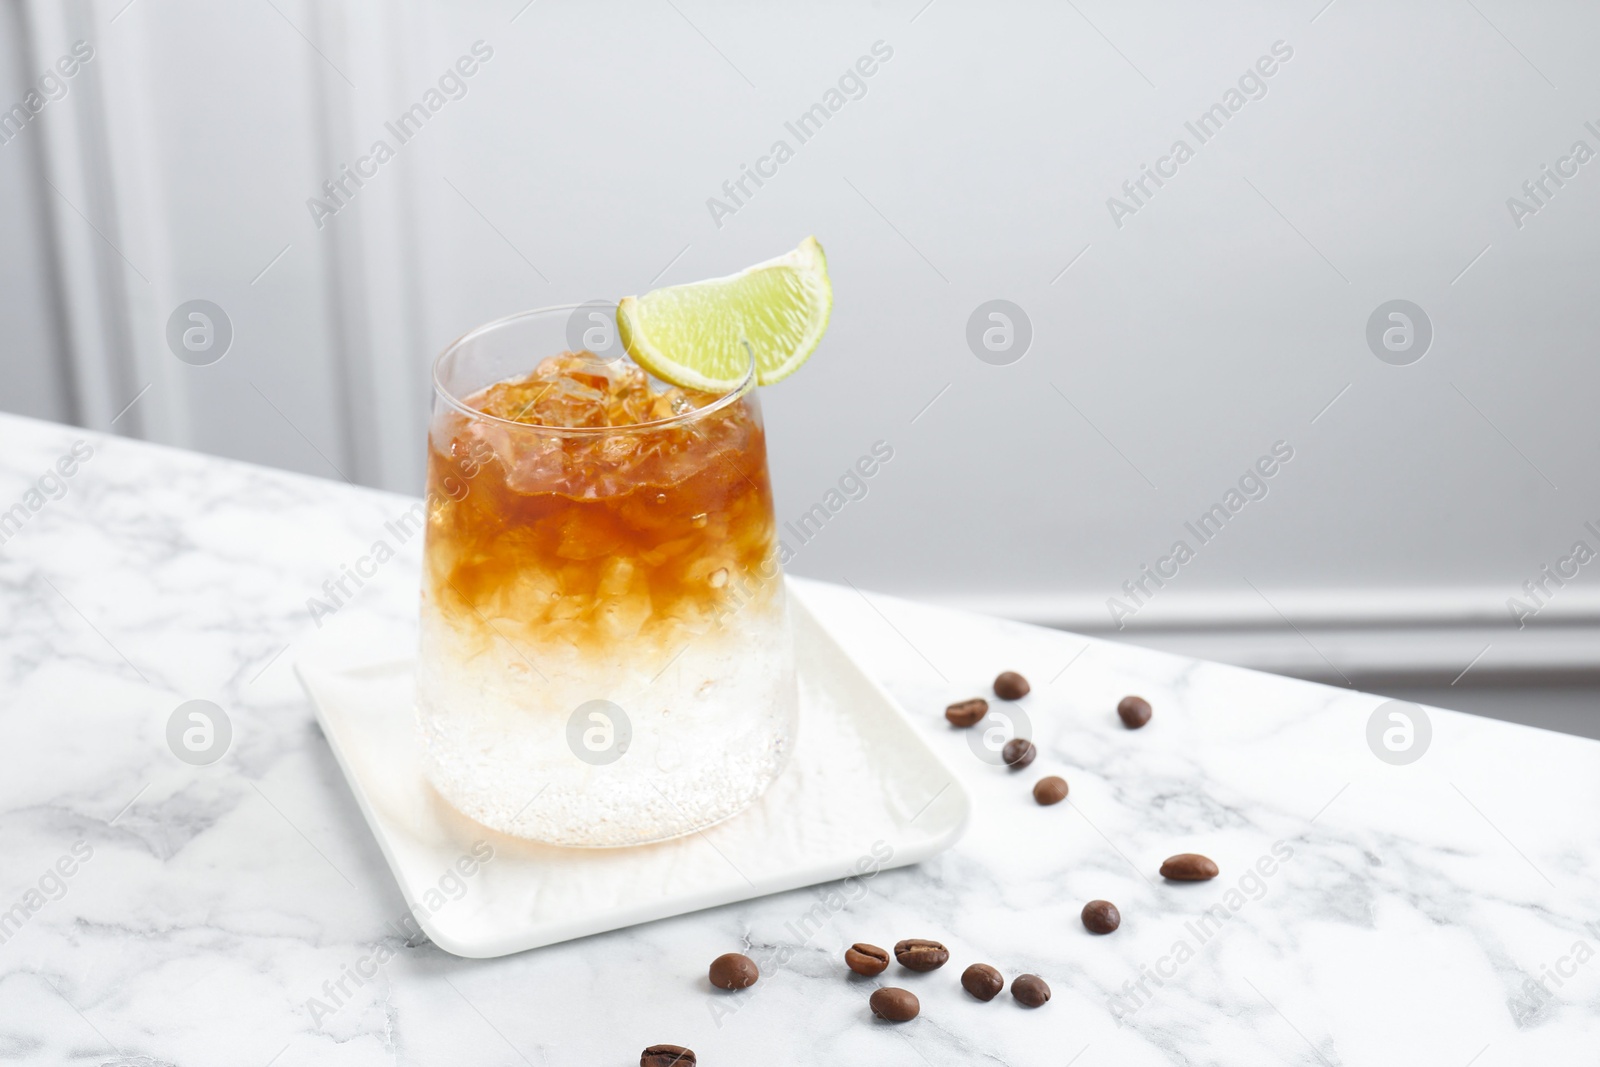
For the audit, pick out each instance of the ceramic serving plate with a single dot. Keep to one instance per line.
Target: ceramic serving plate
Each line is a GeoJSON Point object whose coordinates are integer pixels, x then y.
{"type": "Point", "coordinates": [862, 790]}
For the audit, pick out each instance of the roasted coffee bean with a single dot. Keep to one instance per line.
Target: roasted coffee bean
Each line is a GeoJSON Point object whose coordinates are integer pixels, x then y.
{"type": "Point", "coordinates": [734, 971]}
{"type": "Point", "coordinates": [1030, 990]}
{"type": "Point", "coordinates": [1188, 867]}
{"type": "Point", "coordinates": [667, 1056]}
{"type": "Point", "coordinates": [982, 981]}
{"type": "Point", "coordinates": [1101, 916]}
{"type": "Point", "coordinates": [967, 712]}
{"type": "Point", "coordinates": [866, 959]}
{"type": "Point", "coordinates": [896, 1005]}
{"type": "Point", "coordinates": [1134, 711]}
{"type": "Point", "coordinates": [1051, 790]}
{"type": "Point", "coordinates": [917, 954]}
{"type": "Point", "coordinates": [1011, 686]}
{"type": "Point", "coordinates": [1018, 753]}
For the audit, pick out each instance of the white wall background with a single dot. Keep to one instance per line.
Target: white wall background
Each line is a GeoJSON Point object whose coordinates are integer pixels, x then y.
{"type": "Point", "coordinates": [1222, 317]}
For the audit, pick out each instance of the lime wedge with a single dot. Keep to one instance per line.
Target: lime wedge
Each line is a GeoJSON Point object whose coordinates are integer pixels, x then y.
{"type": "Point", "coordinates": [691, 335]}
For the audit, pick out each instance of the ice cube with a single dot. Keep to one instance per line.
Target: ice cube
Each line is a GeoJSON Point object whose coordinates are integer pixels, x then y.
{"type": "Point", "coordinates": [670, 403]}
{"type": "Point", "coordinates": [587, 532]}
{"type": "Point", "coordinates": [568, 402]}
{"type": "Point", "coordinates": [534, 462]}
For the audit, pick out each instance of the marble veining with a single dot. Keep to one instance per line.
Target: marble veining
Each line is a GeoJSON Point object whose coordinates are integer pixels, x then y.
{"type": "Point", "coordinates": [1442, 912]}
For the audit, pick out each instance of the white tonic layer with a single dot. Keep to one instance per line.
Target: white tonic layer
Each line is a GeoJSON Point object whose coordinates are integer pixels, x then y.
{"type": "Point", "coordinates": [683, 747]}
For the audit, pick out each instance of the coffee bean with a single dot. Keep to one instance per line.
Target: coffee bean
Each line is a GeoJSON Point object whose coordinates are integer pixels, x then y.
{"type": "Point", "coordinates": [734, 971]}
{"type": "Point", "coordinates": [667, 1056]}
{"type": "Point", "coordinates": [1030, 990]}
{"type": "Point", "coordinates": [896, 1005]}
{"type": "Point", "coordinates": [1051, 790]}
{"type": "Point", "coordinates": [1134, 711]}
{"type": "Point", "coordinates": [917, 954]}
{"type": "Point", "coordinates": [967, 712]}
{"type": "Point", "coordinates": [1101, 916]}
{"type": "Point", "coordinates": [1011, 686]}
{"type": "Point", "coordinates": [866, 959]}
{"type": "Point", "coordinates": [1188, 867]}
{"type": "Point", "coordinates": [1018, 753]}
{"type": "Point", "coordinates": [982, 981]}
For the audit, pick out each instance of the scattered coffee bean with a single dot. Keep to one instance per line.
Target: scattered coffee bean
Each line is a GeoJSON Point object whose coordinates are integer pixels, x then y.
{"type": "Point", "coordinates": [734, 971]}
{"type": "Point", "coordinates": [1051, 790]}
{"type": "Point", "coordinates": [1018, 753]}
{"type": "Point", "coordinates": [1011, 686]}
{"type": "Point", "coordinates": [866, 959]}
{"type": "Point", "coordinates": [1030, 990]}
{"type": "Point", "coordinates": [1188, 867]}
{"type": "Point", "coordinates": [896, 1005]}
{"type": "Point", "coordinates": [982, 981]}
{"type": "Point", "coordinates": [1101, 916]}
{"type": "Point", "coordinates": [967, 712]}
{"type": "Point", "coordinates": [667, 1056]}
{"type": "Point", "coordinates": [917, 954]}
{"type": "Point", "coordinates": [1134, 711]}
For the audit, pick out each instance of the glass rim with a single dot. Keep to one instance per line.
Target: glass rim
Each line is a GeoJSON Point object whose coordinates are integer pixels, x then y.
{"type": "Point", "coordinates": [735, 392]}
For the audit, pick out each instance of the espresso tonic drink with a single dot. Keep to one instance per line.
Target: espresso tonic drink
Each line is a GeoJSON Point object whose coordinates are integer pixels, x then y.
{"type": "Point", "coordinates": [605, 653]}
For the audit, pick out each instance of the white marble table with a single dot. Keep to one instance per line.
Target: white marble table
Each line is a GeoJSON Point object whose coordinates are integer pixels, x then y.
{"type": "Point", "coordinates": [1417, 910]}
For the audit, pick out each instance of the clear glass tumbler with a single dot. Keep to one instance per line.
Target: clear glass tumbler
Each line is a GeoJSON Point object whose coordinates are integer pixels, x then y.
{"type": "Point", "coordinates": [605, 650]}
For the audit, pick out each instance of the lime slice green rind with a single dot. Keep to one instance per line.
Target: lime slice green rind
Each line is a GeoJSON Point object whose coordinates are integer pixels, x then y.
{"type": "Point", "coordinates": [693, 335]}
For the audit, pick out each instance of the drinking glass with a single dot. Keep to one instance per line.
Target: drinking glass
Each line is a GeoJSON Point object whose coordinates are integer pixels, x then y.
{"type": "Point", "coordinates": [605, 652]}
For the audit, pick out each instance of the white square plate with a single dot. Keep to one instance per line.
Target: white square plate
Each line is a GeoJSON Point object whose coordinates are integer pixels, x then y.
{"type": "Point", "coordinates": [862, 785]}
